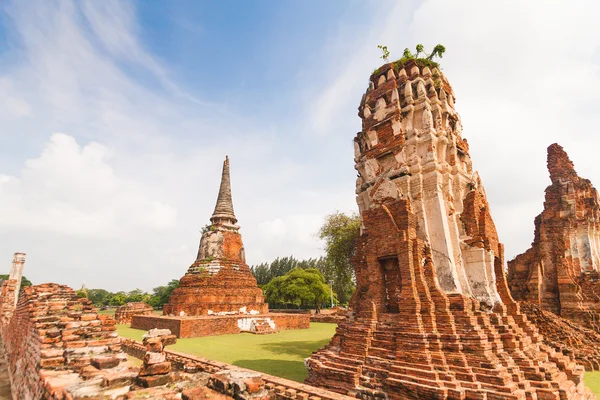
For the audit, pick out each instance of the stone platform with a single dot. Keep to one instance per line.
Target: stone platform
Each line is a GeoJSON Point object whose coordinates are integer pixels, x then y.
{"type": "Point", "coordinates": [212, 325]}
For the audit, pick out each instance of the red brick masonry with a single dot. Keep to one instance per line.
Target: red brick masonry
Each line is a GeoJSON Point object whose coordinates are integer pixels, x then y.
{"type": "Point", "coordinates": [186, 327]}
{"type": "Point", "coordinates": [284, 389]}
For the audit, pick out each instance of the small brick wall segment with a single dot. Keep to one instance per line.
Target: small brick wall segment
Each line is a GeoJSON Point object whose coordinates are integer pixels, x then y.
{"type": "Point", "coordinates": [186, 327]}
{"type": "Point", "coordinates": [53, 329]}
{"type": "Point", "coordinates": [8, 291]}
{"type": "Point", "coordinates": [432, 316]}
{"type": "Point", "coordinates": [561, 270]}
{"type": "Point", "coordinates": [283, 389]}
{"type": "Point", "coordinates": [124, 313]}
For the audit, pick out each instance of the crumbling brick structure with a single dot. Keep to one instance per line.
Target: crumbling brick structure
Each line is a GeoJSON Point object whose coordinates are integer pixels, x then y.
{"type": "Point", "coordinates": [565, 336]}
{"type": "Point", "coordinates": [53, 334]}
{"type": "Point", "coordinates": [432, 316]}
{"type": "Point", "coordinates": [124, 313]}
{"type": "Point", "coordinates": [561, 270]}
{"type": "Point", "coordinates": [219, 281]}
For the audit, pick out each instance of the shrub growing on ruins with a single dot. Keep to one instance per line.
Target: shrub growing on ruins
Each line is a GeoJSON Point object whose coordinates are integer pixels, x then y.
{"type": "Point", "coordinates": [423, 61]}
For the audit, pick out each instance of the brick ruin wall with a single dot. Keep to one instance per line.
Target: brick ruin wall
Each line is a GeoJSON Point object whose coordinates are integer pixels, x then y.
{"type": "Point", "coordinates": [124, 313]}
{"type": "Point", "coordinates": [278, 388]}
{"type": "Point", "coordinates": [53, 329]}
{"type": "Point", "coordinates": [8, 290]}
{"type": "Point", "coordinates": [565, 336]}
{"type": "Point", "coordinates": [561, 270]}
{"type": "Point", "coordinates": [186, 327]}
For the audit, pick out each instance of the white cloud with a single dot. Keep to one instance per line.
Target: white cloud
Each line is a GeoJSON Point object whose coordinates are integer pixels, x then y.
{"type": "Point", "coordinates": [74, 190]}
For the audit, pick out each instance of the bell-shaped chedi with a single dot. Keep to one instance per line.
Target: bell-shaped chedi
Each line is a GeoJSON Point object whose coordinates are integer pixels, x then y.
{"type": "Point", "coordinates": [219, 281]}
{"type": "Point", "coordinates": [432, 316]}
{"type": "Point", "coordinates": [561, 270]}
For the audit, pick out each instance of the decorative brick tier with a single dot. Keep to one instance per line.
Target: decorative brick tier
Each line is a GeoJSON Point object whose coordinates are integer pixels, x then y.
{"type": "Point", "coordinates": [185, 327]}
{"type": "Point", "coordinates": [565, 336]}
{"type": "Point", "coordinates": [561, 270]}
{"type": "Point", "coordinates": [432, 316]}
{"type": "Point", "coordinates": [124, 313]}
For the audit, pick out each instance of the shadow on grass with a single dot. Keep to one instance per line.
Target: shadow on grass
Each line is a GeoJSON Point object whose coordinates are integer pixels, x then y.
{"type": "Point", "coordinates": [293, 370]}
{"type": "Point", "coordinates": [300, 348]}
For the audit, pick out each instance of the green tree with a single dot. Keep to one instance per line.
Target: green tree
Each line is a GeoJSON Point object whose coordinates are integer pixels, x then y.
{"type": "Point", "coordinates": [99, 297]}
{"type": "Point", "coordinates": [300, 288]}
{"type": "Point", "coordinates": [160, 294]}
{"type": "Point", "coordinates": [340, 231]}
{"type": "Point", "coordinates": [117, 299]}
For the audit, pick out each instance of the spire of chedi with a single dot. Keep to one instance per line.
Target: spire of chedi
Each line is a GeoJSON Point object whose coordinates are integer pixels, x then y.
{"type": "Point", "coordinates": [224, 207]}
{"type": "Point", "coordinates": [561, 270]}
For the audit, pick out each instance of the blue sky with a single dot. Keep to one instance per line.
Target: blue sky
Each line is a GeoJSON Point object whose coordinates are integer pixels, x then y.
{"type": "Point", "coordinates": [116, 117]}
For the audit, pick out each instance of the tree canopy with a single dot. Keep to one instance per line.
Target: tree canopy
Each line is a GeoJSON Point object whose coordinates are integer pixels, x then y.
{"type": "Point", "coordinates": [299, 287]}
{"type": "Point", "coordinates": [280, 266]}
{"type": "Point", "coordinates": [340, 231]}
{"type": "Point", "coordinates": [159, 296]}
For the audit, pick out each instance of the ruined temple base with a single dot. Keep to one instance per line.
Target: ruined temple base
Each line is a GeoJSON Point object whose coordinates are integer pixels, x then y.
{"type": "Point", "coordinates": [213, 325]}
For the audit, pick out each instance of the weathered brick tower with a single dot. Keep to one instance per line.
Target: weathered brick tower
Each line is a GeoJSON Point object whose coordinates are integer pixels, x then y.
{"type": "Point", "coordinates": [432, 317]}
{"type": "Point", "coordinates": [219, 281]}
{"type": "Point", "coordinates": [561, 270]}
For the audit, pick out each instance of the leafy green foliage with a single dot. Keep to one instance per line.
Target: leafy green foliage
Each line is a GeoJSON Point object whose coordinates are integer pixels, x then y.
{"type": "Point", "coordinates": [159, 296]}
{"type": "Point", "coordinates": [340, 231]}
{"type": "Point", "coordinates": [280, 266]}
{"type": "Point", "coordinates": [24, 280]}
{"type": "Point", "coordinates": [385, 52]}
{"type": "Point", "coordinates": [299, 287]}
{"type": "Point", "coordinates": [421, 58]}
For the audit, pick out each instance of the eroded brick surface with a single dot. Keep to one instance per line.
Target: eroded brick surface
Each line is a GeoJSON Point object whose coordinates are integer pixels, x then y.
{"type": "Point", "coordinates": [561, 270]}
{"type": "Point", "coordinates": [432, 316]}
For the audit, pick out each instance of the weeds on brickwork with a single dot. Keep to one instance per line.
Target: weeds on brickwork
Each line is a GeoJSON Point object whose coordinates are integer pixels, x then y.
{"type": "Point", "coordinates": [421, 58]}
{"type": "Point", "coordinates": [208, 227]}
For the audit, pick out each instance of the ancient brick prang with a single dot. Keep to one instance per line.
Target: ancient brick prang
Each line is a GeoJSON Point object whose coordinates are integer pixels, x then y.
{"type": "Point", "coordinates": [561, 270]}
{"type": "Point", "coordinates": [124, 313]}
{"type": "Point", "coordinates": [432, 316]}
{"type": "Point", "coordinates": [219, 281]}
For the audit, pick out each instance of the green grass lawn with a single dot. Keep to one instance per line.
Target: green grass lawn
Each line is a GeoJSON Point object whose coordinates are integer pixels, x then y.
{"type": "Point", "coordinates": [592, 380]}
{"type": "Point", "coordinates": [281, 354]}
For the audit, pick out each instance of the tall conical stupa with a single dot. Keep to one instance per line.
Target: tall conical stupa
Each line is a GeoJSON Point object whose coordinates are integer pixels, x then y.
{"type": "Point", "coordinates": [219, 280]}
{"type": "Point", "coordinates": [432, 317]}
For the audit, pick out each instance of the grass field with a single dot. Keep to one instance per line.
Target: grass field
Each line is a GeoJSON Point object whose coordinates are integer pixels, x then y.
{"type": "Point", "coordinates": [592, 380]}
{"type": "Point", "coordinates": [281, 354]}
